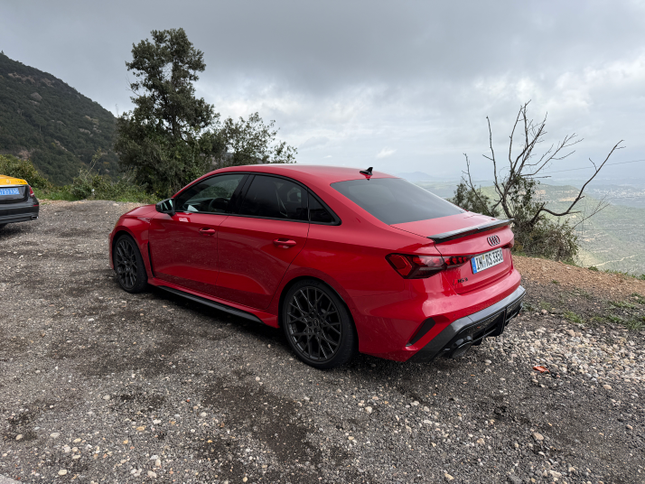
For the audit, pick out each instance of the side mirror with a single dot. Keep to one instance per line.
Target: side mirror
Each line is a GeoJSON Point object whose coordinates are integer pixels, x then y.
{"type": "Point", "coordinates": [166, 206]}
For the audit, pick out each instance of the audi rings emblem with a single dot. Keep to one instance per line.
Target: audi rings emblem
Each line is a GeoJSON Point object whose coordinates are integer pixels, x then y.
{"type": "Point", "coordinates": [493, 240]}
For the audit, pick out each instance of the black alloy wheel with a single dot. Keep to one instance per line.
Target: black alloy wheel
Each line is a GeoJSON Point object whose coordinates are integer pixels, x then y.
{"type": "Point", "coordinates": [317, 325]}
{"type": "Point", "coordinates": [128, 265]}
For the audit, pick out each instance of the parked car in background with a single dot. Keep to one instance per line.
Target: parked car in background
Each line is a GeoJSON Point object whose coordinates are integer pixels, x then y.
{"type": "Point", "coordinates": [343, 260]}
{"type": "Point", "coordinates": [18, 203]}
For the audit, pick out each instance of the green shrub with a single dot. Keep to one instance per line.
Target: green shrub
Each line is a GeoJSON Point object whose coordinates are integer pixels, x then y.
{"type": "Point", "coordinates": [89, 185]}
{"type": "Point", "coordinates": [547, 239]}
{"type": "Point", "coordinates": [24, 169]}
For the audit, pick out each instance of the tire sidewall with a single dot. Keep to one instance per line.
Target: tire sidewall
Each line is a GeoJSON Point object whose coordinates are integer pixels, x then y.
{"type": "Point", "coordinates": [142, 277]}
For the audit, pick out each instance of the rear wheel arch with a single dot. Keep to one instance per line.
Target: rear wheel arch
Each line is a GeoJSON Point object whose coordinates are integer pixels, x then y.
{"type": "Point", "coordinates": [343, 349]}
{"type": "Point", "coordinates": [294, 281]}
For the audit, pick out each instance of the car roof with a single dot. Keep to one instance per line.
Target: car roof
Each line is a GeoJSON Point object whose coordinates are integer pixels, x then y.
{"type": "Point", "coordinates": [317, 174]}
{"type": "Point", "coordinates": [9, 180]}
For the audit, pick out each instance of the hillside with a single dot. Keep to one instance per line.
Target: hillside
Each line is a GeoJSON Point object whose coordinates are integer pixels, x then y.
{"type": "Point", "coordinates": [44, 119]}
{"type": "Point", "coordinates": [610, 240]}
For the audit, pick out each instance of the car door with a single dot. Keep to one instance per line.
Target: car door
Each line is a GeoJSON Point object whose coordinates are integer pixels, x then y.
{"type": "Point", "coordinates": [257, 246]}
{"type": "Point", "coordinates": [183, 246]}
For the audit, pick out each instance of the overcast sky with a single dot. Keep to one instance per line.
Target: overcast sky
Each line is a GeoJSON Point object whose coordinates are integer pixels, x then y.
{"type": "Point", "coordinates": [399, 85]}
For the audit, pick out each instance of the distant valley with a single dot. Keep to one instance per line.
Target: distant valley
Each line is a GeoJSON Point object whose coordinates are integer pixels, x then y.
{"type": "Point", "coordinates": [614, 239]}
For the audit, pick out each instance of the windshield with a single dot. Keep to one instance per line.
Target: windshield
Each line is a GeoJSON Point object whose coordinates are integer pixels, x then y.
{"type": "Point", "coordinates": [394, 200]}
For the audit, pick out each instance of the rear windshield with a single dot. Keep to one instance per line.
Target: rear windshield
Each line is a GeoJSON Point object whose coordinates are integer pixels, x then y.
{"type": "Point", "coordinates": [394, 200]}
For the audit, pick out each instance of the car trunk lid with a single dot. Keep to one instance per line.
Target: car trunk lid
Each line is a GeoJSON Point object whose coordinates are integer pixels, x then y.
{"type": "Point", "coordinates": [12, 189]}
{"type": "Point", "coordinates": [470, 236]}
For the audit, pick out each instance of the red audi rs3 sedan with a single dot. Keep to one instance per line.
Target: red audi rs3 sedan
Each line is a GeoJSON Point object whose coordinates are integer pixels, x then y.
{"type": "Point", "coordinates": [343, 260]}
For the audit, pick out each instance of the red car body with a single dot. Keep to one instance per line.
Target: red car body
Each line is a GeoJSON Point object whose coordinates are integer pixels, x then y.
{"type": "Point", "coordinates": [237, 263]}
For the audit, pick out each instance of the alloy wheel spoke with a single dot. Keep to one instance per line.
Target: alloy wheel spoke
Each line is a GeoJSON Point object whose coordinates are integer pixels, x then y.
{"type": "Point", "coordinates": [300, 319]}
{"type": "Point", "coordinates": [306, 298]}
{"type": "Point", "coordinates": [309, 344]}
{"type": "Point", "coordinates": [322, 349]}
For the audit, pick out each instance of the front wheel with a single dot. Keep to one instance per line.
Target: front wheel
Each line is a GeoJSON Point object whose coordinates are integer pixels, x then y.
{"type": "Point", "coordinates": [317, 325]}
{"type": "Point", "coordinates": [128, 265]}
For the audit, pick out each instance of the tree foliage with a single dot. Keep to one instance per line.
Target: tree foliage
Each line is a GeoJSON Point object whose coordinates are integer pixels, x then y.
{"type": "Point", "coordinates": [539, 230]}
{"type": "Point", "coordinates": [251, 141]}
{"type": "Point", "coordinates": [473, 200]}
{"type": "Point", "coordinates": [165, 140]}
{"type": "Point", "coordinates": [172, 137]}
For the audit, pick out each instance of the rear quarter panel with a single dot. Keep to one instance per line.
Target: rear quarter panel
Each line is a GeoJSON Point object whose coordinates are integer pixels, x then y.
{"type": "Point", "coordinates": [350, 258]}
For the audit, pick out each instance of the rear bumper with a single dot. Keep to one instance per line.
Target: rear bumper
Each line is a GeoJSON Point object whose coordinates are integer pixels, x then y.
{"type": "Point", "coordinates": [465, 332]}
{"type": "Point", "coordinates": [19, 212]}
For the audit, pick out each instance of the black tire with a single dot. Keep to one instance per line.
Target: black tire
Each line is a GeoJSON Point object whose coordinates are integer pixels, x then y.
{"type": "Point", "coordinates": [317, 325]}
{"type": "Point", "coordinates": [128, 265]}
{"type": "Point", "coordinates": [2, 226]}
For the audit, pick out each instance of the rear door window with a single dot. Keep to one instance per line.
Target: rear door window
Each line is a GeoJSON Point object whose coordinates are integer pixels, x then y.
{"type": "Point", "coordinates": [275, 197]}
{"type": "Point", "coordinates": [394, 200]}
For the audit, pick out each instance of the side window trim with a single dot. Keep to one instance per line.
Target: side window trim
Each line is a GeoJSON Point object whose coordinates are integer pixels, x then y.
{"type": "Point", "coordinates": [240, 192]}
{"type": "Point", "coordinates": [243, 188]}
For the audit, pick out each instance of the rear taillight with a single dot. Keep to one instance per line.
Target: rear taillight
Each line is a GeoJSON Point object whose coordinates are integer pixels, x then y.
{"type": "Point", "coordinates": [457, 260]}
{"type": "Point", "coordinates": [31, 192]}
{"type": "Point", "coordinates": [416, 266]}
{"type": "Point", "coordinates": [421, 266]}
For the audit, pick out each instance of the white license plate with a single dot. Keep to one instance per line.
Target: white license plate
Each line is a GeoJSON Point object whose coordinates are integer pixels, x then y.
{"type": "Point", "coordinates": [9, 191]}
{"type": "Point", "coordinates": [485, 261]}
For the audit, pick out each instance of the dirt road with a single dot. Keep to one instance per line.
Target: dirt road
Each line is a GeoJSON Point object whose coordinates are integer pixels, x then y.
{"type": "Point", "coordinates": [97, 385]}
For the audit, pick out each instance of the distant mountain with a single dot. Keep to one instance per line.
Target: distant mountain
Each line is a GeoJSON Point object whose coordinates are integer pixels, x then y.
{"type": "Point", "coordinates": [44, 119]}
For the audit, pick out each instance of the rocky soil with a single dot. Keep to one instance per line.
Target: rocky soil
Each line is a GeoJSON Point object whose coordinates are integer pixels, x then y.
{"type": "Point", "coordinates": [97, 385]}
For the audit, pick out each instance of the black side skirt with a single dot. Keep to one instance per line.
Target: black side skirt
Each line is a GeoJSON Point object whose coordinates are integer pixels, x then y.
{"type": "Point", "coordinates": [213, 304]}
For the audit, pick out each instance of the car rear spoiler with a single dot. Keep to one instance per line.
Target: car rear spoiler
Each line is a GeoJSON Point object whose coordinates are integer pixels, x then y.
{"type": "Point", "coordinates": [455, 234]}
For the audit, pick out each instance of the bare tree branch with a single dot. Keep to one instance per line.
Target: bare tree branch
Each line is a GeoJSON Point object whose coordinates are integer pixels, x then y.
{"type": "Point", "coordinates": [516, 184]}
{"type": "Point", "coordinates": [602, 204]}
{"type": "Point", "coordinates": [580, 193]}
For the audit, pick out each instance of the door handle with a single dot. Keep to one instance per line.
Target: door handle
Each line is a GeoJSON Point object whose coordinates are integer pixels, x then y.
{"type": "Point", "coordinates": [284, 243]}
{"type": "Point", "coordinates": [206, 231]}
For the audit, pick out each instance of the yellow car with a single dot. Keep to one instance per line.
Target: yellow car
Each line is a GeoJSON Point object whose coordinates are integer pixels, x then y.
{"type": "Point", "coordinates": [18, 203]}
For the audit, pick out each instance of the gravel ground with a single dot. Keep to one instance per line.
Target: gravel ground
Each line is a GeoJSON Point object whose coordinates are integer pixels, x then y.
{"type": "Point", "coordinates": [97, 385]}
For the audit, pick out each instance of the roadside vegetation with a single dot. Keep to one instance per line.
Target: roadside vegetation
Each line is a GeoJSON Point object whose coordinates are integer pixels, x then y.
{"type": "Point", "coordinates": [88, 184]}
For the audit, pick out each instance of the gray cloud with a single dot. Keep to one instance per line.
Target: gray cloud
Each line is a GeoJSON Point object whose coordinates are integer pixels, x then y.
{"type": "Point", "coordinates": [346, 80]}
